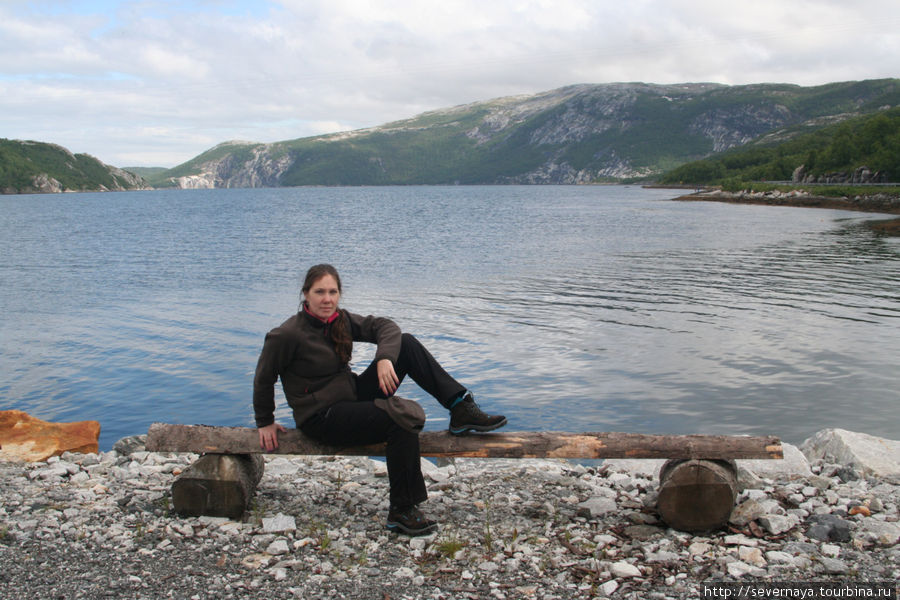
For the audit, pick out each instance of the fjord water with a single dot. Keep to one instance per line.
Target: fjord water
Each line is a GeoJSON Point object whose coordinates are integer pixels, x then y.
{"type": "Point", "coordinates": [566, 308]}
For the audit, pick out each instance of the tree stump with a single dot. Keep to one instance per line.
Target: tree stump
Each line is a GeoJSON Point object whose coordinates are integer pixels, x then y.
{"type": "Point", "coordinates": [697, 495]}
{"type": "Point", "coordinates": [218, 485]}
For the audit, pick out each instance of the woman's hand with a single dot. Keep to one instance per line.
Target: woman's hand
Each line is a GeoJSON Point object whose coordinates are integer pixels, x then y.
{"type": "Point", "coordinates": [387, 377]}
{"type": "Point", "coordinates": [268, 436]}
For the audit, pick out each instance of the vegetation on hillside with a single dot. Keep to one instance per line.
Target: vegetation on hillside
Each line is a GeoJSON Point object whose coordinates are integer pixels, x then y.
{"type": "Point", "coordinates": [583, 133]}
{"type": "Point", "coordinates": [146, 172]}
{"type": "Point", "coordinates": [21, 162]}
{"type": "Point", "coordinates": [872, 141]}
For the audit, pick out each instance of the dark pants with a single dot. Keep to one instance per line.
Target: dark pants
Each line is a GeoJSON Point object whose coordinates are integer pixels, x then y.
{"type": "Point", "coordinates": [361, 422]}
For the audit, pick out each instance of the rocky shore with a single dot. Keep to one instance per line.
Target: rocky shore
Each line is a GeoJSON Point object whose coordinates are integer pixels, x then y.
{"type": "Point", "coordinates": [877, 202]}
{"type": "Point", "coordinates": [101, 526]}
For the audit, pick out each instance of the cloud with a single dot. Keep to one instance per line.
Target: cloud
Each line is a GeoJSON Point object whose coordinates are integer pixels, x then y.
{"type": "Point", "coordinates": [125, 81]}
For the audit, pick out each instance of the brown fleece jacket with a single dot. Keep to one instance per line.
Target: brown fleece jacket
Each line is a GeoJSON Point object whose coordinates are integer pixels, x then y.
{"type": "Point", "coordinates": [301, 352]}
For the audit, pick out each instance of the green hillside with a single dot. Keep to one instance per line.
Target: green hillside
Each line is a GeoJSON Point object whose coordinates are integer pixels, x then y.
{"type": "Point", "coordinates": [146, 172]}
{"type": "Point", "coordinates": [577, 134]}
{"type": "Point", "coordinates": [29, 167]}
{"type": "Point", "coordinates": [872, 141]}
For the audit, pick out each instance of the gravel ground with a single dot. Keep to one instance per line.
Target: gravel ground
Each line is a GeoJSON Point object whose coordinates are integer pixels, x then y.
{"type": "Point", "coordinates": [101, 526]}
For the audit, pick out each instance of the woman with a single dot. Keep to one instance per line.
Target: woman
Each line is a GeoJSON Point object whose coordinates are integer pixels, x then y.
{"type": "Point", "coordinates": [311, 352]}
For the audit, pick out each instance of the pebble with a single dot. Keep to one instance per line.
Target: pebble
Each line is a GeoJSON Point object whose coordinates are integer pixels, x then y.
{"type": "Point", "coordinates": [624, 569]}
{"type": "Point", "coordinates": [102, 524]}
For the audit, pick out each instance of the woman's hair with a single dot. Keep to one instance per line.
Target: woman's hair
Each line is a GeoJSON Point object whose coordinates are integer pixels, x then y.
{"type": "Point", "coordinates": [340, 331]}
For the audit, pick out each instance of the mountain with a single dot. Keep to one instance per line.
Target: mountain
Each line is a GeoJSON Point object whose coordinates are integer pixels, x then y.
{"type": "Point", "coordinates": [36, 167]}
{"type": "Point", "coordinates": [575, 134]}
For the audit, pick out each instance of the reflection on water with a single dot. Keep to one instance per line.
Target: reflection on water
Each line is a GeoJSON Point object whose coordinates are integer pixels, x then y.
{"type": "Point", "coordinates": [566, 308]}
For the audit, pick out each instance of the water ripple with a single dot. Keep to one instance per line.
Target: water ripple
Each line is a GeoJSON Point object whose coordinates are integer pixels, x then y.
{"type": "Point", "coordinates": [572, 308]}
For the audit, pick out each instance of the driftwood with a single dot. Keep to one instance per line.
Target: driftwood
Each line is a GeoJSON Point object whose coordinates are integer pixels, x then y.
{"type": "Point", "coordinates": [201, 439]}
{"type": "Point", "coordinates": [697, 495]}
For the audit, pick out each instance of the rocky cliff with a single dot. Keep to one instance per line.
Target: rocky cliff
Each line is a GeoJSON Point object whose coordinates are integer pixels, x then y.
{"type": "Point", "coordinates": [576, 134]}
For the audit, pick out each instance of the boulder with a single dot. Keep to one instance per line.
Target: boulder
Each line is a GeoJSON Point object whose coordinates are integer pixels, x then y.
{"type": "Point", "coordinates": [794, 465]}
{"type": "Point", "coordinates": [873, 456]}
{"type": "Point", "coordinates": [26, 438]}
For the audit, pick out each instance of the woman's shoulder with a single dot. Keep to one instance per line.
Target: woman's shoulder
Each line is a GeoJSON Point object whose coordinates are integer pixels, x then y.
{"type": "Point", "coordinates": [370, 325]}
{"type": "Point", "coordinates": [292, 326]}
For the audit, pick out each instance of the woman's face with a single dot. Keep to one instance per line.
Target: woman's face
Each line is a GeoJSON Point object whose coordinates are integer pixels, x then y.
{"type": "Point", "coordinates": [322, 297]}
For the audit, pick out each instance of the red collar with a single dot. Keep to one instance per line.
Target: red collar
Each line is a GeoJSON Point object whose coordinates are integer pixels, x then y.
{"type": "Point", "coordinates": [328, 320]}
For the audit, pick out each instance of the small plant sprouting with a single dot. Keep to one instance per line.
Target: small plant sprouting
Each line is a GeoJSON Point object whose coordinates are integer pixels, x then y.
{"type": "Point", "coordinates": [450, 546]}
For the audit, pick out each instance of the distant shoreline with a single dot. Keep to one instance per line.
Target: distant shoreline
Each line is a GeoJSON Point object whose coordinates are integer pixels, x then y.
{"type": "Point", "coordinates": [878, 203]}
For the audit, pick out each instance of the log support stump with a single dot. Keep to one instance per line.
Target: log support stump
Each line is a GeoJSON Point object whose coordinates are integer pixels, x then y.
{"type": "Point", "coordinates": [697, 495]}
{"type": "Point", "coordinates": [218, 485]}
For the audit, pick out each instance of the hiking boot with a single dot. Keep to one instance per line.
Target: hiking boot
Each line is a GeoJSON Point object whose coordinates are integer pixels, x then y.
{"type": "Point", "coordinates": [410, 521]}
{"type": "Point", "coordinates": [466, 416]}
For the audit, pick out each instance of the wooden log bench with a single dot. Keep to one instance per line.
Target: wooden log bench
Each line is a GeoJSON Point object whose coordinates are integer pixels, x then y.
{"type": "Point", "coordinates": [698, 483]}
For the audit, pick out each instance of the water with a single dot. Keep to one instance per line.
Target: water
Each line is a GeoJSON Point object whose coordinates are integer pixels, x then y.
{"type": "Point", "coordinates": [565, 308]}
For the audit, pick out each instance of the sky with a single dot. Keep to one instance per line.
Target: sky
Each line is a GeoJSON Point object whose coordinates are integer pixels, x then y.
{"type": "Point", "coordinates": [157, 82]}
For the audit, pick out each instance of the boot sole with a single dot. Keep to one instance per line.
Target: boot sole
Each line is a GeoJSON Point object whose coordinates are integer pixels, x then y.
{"type": "Point", "coordinates": [397, 527]}
{"type": "Point", "coordinates": [480, 428]}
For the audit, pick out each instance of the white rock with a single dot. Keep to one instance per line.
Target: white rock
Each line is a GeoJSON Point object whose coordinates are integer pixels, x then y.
{"type": "Point", "coordinates": [80, 477]}
{"type": "Point", "coordinates": [596, 507]}
{"type": "Point", "coordinates": [779, 557]}
{"type": "Point", "coordinates": [739, 539]}
{"type": "Point", "coordinates": [752, 556]}
{"type": "Point", "coordinates": [833, 565]}
{"type": "Point", "coordinates": [830, 550]}
{"type": "Point", "coordinates": [699, 548]}
{"type": "Point", "coordinates": [621, 480]}
{"type": "Point", "coordinates": [279, 523]}
{"type": "Point", "coordinates": [752, 509]}
{"type": "Point", "coordinates": [54, 472]}
{"type": "Point", "coordinates": [739, 569]}
{"type": "Point", "coordinates": [279, 466]}
{"type": "Point", "coordinates": [183, 529]}
{"type": "Point", "coordinates": [623, 569]}
{"type": "Point", "coordinates": [609, 587]}
{"type": "Point", "coordinates": [405, 572]}
{"type": "Point", "coordinates": [438, 475]}
{"type": "Point", "coordinates": [420, 543]}
{"type": "Point", "coordinates": [278, 547]}
{"type": "Point", "coordinates": [776, 524]}
{"type": "Point", "coordinates": [662, 556]}
{"type": "Point", "coordinates": [881, 532]}
{"type": "Point", "coordinates": [872, 455]}
{"type": "Point", "coordinates": [636, 467]}
{"type": "Point", "coordinates": [756, 494]}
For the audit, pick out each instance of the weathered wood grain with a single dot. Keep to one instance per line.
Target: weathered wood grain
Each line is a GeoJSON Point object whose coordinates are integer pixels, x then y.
{"type": "Point", "coordinates": [163, 437]}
